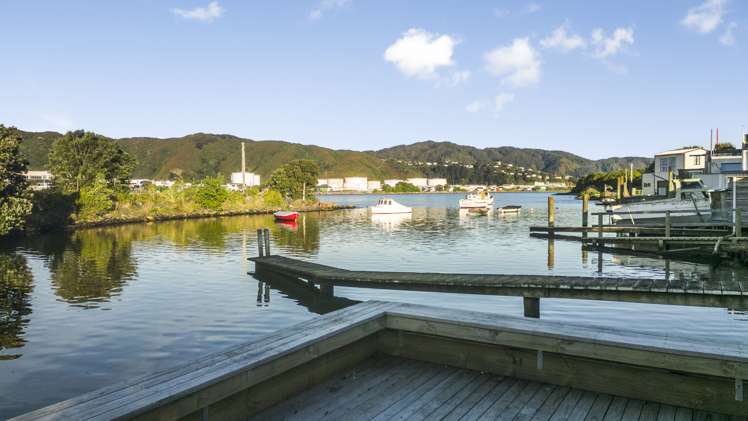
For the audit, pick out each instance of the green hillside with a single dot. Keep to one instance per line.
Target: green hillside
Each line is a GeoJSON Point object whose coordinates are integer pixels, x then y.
{"type": "Point", "coordinates": [200, 154]}
{"type": "Point", "coordinates": [553, 162]}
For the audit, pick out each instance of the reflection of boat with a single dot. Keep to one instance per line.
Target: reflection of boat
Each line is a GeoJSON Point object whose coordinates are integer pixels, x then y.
{"type": "Point", "coordinates": [388, 206]}
{"type": "Point", "coordinates": [691, 201]}
{"type": "Point", "coordinates": [476, 200]}
{"type": "Point", "coordinates": [286, 215]}
{"type": "Point", "coordinates": [288, 225]}
{"type": "Point", "coordinates": [389, 221]}
{"type": "Point", "coordinates": [478, 211]}
{"type": "Point", "coordinates": [509, 209]}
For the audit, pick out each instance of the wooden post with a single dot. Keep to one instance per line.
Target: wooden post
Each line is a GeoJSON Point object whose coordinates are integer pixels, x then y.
{"type": "Point", "coordinates": [600, 226]}
{"type": "Point", "coordinates": [618, 188]}
{"type": "Point", "coordinates": [327, 289]}
{"type": "Point", "coordinates": [532, 306]}
{"type": "Point", "coordinates": [551, 253]}
{"type": "Point", "coordinates": [667, 224]}
{"type": "Point", "coordinates": [259, 243]}
{"type": "Point", "coordinates": [551, 212]}
{"type": "Point", "coordinates": [670, 186]}
{"type": "Point", "coordinates": [585, 213]}
{"type": "Point", "coordinates": [267, 242]}
{"type": "Point", "coordinates": [738, 223]}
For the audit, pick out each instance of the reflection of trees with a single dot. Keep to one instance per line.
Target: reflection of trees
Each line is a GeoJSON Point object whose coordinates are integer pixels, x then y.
{"type": "Point", "coordinates": [15, 299]}
{"type": "Point", "coordinates": [93, 265]}
{"type": "Point", "coordinates": [303, 236]}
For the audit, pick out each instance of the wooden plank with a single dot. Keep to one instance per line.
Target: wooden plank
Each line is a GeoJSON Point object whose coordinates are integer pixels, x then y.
{"type": "Point", "coordinates": [650, 411]}
{"type": "Point", "coordinates": [667, 413]}
{"type": "Point", "coordinates": [567, 406]}
{"type": "Point", "coordinates": [414, 400]}
{"type": "Point", "coordinates": [474, 398]}
{"type": "Point", "coordinates": [447, 391]}
{"type": "Point", "coordinates": [683, 414]}
{"type": "Point", "coordinates": [584, 405]}
{"type": "Point", "coordinates": [510, 404]}
{"type": "Point", "coordinates": [448, 406]}
{"type": "Point", "coordinates": [633, 410]}
{"type": "Point", "coordinates": [599, 408]}
{"type": "Point", "coordinates": [616, 409]}
{"type": "Point", "coordinates": [551, 404]}
{"type": "Point", "coordinates": [528, 411]}
{"type": "Point", "coordinates": [481, 406]}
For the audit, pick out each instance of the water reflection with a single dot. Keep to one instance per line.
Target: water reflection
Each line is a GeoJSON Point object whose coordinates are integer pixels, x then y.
{"type": "Point", "coordinates": [15, 302]}
{"type": "Point", "coordinates": [390, 222]}
{"type": "Point", "coordinates": [304, 293]}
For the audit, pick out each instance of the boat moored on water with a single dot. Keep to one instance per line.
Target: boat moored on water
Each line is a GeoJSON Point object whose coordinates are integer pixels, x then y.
{"type": "Point", "coordinates": [388, 206]}
{"type": "Point", "coordinates": [477, 200]}
{"type": "Point", "coordinates": [286, 216]}
{"type": "Point", "coordinates": [509, 209]}
{"type": "Point", "coordinates": [692, 203]}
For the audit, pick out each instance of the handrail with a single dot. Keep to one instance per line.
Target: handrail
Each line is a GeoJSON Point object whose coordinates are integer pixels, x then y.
{"type": "Point", "coordinates": [646, 212]}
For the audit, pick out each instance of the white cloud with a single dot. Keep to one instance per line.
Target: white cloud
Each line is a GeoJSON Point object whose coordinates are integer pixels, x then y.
{"type": "Point", "coordinates": [706, 17]}
{"type": "Point", "coordinates": [458, 77]}
{"type": "Point", "coordinates": [475, 106]}
{"type": "Point", "coordinates": [610, 46]}
{"type": "Point", "coordinates": [560, 39]}
{"type": "Point", "coordinates": [502, 100]}
{"type": "Point", "coordinates": [532, 8]}
{"type": "Point", "coordinates": [728, 38]}
{"type": "Point", "coordinates": [420, 54]}
{"type": "Point", "coordinates": [326, 5]}
{"type": "Point", "coordinates": [208, 13]}
{"type": "Point", "coordinates": [517, 64]}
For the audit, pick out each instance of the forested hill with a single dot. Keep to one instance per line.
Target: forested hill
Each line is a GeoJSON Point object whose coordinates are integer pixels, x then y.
{"type": "Point", "coordinates": [198, 155]}
{"type": "Point", "coordinates": [553, 162]}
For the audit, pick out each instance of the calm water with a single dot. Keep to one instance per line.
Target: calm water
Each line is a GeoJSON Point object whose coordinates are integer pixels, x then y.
{"type": "Point", "coordinates": [83, 310]}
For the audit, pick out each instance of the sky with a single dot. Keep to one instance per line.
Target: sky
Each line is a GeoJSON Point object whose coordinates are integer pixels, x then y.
{"type": "Point", "coordinates": [599, 79]}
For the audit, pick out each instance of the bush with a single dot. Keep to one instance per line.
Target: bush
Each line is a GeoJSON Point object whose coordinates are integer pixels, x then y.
{"type": "Point", "coordinates": [211, 194]}
{"type": "Point", "coordinates": [95, 200]}
{"type": "Point", "coordinates": [273, 199]}
{"type": "Point", "coordinates": [52, 210]}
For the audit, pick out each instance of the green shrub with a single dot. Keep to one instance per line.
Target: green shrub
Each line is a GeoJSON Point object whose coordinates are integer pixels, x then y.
{"type": "Point", "coordinates": [95, 200]}
{"type": "Point", "coordinates": [211, 194]}
{"type": "Point", "coordinates": [273, 199]}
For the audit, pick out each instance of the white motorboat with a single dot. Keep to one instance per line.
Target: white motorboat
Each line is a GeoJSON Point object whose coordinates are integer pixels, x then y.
{"type": "Point", "coordinates": [691, 201]}
{"type": "Point", "coordinates": [389, 206]}
{"type": "Point", "coordinates": [513, 209]}
{"type": "Point", "coordinates": [477, 200]}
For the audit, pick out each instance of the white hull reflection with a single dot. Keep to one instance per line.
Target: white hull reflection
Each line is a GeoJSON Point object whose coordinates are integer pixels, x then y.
{"type": "Point", "coordinates": [389, 222]}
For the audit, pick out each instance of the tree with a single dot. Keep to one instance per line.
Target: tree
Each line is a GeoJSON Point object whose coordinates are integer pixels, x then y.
{"type": "Point", "coordinates": [79, 158]}
{"type": "Point", "coordinates": [211, 194]}
{"type": "Point", "coordinates": [15, 197]}
{"type": "Point", "coordinates": [296, 179]}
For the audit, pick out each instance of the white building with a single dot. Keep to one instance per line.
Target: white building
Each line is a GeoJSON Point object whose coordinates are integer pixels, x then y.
{"type": "Point", "coordinates": [359, 184]}
{"type": "Point", "coordinates": [433, 182]}
{"type": "Point", "coordinates": [39, 180]}
{"type": "Point", "coordinates": [419, 182]}
{"type": "Point", "coordinates": [372, 185]}
{"type": "Point", "coordinates": [250, 179]}
{"type": "Point", "coordinates": [393, 182]}
{"type": "Point", "coordinates": [692, 161]}
{"type": "Point", "coordinates": [335, 184]}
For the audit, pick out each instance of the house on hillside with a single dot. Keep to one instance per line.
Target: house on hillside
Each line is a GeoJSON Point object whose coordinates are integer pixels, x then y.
{"type": "Point", "coordinates": [688, 161]}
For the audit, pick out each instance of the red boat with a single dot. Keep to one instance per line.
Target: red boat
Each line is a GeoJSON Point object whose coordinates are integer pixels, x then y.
{"type": "Point", "coordinates": [286, 216]}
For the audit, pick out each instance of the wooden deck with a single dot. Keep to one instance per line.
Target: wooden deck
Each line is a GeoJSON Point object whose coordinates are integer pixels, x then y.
{"type": "Point", "coordinates": [730, 293]}
{"type": "Point", "coordinates": [388, 388]}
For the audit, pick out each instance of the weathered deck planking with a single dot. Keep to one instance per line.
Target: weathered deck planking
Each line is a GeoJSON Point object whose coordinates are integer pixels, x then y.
{"type": "Point", "coordinates": [460, 394]}
{"type": "Point", "coordinates": [499, 366]}
{"type": "Point", "coordinates": [726, 293]}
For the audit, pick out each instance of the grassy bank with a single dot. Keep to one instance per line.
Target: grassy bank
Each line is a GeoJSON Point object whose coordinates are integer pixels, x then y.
{"type": "Point", "coordinates": [100, 206]}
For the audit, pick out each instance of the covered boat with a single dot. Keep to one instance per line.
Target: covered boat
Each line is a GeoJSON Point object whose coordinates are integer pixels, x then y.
{"type": "Point", "coordinates": [476, 200]}
{"type": "Point", "coordinates": [692, 200]}
{"type": "Point", "coordinates": [510, 209]}
{"type": "Point", "coordinates": [286, 215]}
{"type": "Point", "coordinates": [388, 206]}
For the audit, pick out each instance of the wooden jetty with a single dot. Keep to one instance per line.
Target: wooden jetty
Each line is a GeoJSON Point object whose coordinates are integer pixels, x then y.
{"type": "Point", "coordinates": [382, 360]}
{"type": "Point", "coordinates": [708, 293]}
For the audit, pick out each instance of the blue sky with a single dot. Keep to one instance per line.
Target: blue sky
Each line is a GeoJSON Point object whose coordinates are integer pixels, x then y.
{"type": "Point", "coordinates": [594, 78]}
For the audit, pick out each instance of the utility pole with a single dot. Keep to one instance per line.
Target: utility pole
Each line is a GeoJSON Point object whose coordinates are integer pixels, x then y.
{"type": "Point", "coordinates": [244, 171]}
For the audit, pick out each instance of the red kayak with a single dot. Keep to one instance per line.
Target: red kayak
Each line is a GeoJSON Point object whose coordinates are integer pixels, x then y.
{"type": "Point", "coordinates": [285, 216]}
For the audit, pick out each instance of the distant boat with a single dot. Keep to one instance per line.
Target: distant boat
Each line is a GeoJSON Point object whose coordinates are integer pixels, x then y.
{"type": "Point", "coordinates": [388, 206]}
{"type": "Point", "coordinates": [286, 215]}
{"type": "Point", "coordinates": [476, 200]}
{"type": "Point", "coordinates": [510, 209]}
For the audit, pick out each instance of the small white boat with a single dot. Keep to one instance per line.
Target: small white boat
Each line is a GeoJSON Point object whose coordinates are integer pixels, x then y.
{"type": "Point", "coordinates": [389, 206]}
{"type": "Point", "coordinates": [509, 209]}
{"type": "Point", "coordinates": [476, 200]}
{"type": "Point", "coordinates": [691, 200]}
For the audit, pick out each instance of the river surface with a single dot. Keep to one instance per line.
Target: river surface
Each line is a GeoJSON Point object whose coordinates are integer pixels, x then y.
{"type": "Point", "coordinates": [86, 309]}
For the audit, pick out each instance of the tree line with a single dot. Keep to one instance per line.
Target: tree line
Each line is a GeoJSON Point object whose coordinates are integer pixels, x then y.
{"type": "Point", "coordinates": [91, 176]}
